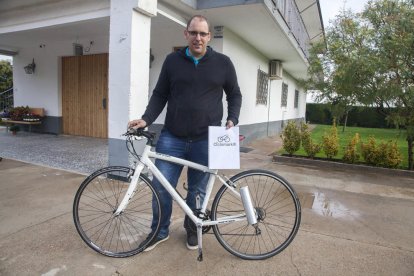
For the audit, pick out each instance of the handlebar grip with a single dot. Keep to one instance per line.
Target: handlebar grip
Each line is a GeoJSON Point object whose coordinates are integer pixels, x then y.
{"type": "Point", "coordinates": [141, 132]}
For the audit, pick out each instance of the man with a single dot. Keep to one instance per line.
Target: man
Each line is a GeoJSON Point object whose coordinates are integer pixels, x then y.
{"type": "Point", "coordinates": [192, 82]}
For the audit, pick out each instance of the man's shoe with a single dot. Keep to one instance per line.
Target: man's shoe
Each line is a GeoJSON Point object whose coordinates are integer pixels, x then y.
{"type": "Point", "coordinates": [154, 243]}
{"type": "Point", "coordinates": [192, 241]}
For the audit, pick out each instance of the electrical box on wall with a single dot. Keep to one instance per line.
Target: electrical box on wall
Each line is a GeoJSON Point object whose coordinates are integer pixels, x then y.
{"type": "Point", "coordinates": [275, 70]}
{"type": "Point", "coordinates": [77, 49]}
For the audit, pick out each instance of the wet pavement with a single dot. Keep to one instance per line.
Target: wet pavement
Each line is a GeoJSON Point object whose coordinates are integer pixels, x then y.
{"type": "Point", "coordinates": [353, 223]}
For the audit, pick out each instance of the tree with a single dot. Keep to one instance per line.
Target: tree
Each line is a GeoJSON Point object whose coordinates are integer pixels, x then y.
{"type": "Point", "coordinates": [6, 75]}
{"type": "Point", "coordinates": [337, 66]}
{"type": "Point", "coordinates": [393, 55]}
{"type": "Point", "coordinates": [369, 59]}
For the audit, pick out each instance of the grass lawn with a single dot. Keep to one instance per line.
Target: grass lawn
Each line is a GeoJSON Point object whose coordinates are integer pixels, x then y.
{"type": "Point", "coordinates": [380, 134]}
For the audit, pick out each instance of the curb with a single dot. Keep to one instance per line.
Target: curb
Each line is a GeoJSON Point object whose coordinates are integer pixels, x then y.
{"type": "Point", "coordinates": [338, 165]}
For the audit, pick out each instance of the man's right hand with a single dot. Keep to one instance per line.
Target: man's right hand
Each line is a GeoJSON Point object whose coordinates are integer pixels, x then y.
{"type": "Point", "coordinates": [137, 124]}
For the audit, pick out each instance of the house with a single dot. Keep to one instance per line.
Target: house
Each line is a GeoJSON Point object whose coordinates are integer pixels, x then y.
{"type": "Point", "coordinates": [96, 62]}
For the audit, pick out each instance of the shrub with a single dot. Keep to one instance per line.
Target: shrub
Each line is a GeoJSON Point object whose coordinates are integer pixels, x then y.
{"type": "Point", "coordinates": [291, 138]}
{"type": "Point", "coordinates": [331, 142]}
{"type": "Point", "coordinates": [370, 151]}
{"type": "Point", "coordinates": [14, 128]}
{"type": "Point", "coordinates": [384, 155]}
{"type": "Point", "coordinates": [390, 156]}
{"type": "Point", "coordinates": [350, 154]}
{"type": "Point", "coordinates": [309, 146]}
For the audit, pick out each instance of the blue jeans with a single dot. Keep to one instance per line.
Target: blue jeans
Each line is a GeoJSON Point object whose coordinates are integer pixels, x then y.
{"type": "Point", "coordinates": [195, 151]}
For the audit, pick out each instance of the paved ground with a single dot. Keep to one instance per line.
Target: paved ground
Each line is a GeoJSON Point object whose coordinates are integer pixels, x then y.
{"type": "Point", "coordinates": [352, 224]}
{"type": "Point", "coordinates": [74, 153]}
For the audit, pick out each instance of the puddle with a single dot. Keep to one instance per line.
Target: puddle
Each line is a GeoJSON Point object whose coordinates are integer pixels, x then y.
{"type": "Point", "coordinates": [324, 206]}
{"type": "Point", "coordinates": [55, 271]}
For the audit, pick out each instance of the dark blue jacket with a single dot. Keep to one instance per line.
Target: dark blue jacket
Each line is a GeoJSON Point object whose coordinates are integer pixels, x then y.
{"type": "Point", "coordinates": [194, 94]}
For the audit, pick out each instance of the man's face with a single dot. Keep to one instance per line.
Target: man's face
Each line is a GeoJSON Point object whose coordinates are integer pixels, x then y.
{"type": "Point", "coordinates": [197, 36]}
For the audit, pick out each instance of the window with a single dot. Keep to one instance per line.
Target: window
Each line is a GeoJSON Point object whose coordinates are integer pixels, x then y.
{"type": "Point", "coordinates": [284, 94]}
{"type": "Point", "coordinates": [296, 98]}
{"type": "Point", "coordinates": [262, 87]}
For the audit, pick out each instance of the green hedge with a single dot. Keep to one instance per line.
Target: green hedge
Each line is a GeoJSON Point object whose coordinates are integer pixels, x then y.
{"type": "Point", "coordinates": [359, 116]}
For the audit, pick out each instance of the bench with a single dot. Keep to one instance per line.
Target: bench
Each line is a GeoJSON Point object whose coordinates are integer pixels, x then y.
{"type": "Point", "coordinates": [36, 111]}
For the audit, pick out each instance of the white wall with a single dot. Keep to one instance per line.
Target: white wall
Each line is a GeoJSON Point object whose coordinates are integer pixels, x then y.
{"type": "Point", "coordinates": [42, 89]}
{"type": "Point", "coordinates": [163, 40]}
{"type": "Point", "coordinates": [290, 112]}
{"type": "Point", "coordinates": [247, 60]}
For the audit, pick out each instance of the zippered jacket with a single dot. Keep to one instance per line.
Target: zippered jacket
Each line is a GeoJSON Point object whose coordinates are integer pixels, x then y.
{"type": "Point", "coordinates": [194, 94]}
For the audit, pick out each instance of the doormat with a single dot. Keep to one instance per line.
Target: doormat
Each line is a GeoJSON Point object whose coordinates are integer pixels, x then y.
{"type": "Point", "coordinates": [245, 150]}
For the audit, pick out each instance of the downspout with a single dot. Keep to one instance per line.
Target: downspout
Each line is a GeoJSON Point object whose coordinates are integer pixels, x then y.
{"type": "Point", "coordinates": [268, 108]}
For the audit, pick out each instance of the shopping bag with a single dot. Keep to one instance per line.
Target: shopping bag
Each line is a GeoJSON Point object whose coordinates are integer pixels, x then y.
{"type": "Point", "coordinates": [223, 148]}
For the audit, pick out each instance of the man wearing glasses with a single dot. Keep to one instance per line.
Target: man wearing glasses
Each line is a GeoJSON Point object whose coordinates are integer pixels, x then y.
{"type": "Point", "coordinates": [192, 81]}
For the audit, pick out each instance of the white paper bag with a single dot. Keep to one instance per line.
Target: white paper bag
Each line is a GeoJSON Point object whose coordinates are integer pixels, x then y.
{"type": "Point", "coordinates": [223, 148]}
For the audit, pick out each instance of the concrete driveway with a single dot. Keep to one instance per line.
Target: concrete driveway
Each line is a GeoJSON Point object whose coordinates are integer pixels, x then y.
{"type": "Point", "coordinates": [353, 223]}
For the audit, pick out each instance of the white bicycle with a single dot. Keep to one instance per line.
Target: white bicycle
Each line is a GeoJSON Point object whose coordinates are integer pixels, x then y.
{"type": "Point", "coordinates": [255, 214]}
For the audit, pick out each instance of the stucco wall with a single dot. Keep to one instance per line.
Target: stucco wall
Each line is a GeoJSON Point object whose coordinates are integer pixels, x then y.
{"type": "Point", "coordinates": [247, 60]}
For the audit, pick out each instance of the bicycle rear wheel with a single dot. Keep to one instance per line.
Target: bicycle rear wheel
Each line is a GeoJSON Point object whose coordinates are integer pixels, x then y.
{"type": "Point", "coordinates": [277, 210]}
{"type": "Point", "coordinates": [94, 206]}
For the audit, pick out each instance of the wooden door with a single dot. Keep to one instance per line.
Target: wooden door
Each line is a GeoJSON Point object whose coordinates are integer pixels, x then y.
{"type": "Point", "coordinates": [85, 95]}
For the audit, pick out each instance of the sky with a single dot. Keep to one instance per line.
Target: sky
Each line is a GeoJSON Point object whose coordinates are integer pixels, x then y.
{"type": "Point", "coordinates": [330, 8]}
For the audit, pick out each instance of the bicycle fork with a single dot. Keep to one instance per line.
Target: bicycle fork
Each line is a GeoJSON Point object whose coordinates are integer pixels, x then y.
{"type": "Point", "coordinates": [251, 212]}
{"type": "Point", "coordinates": [131, 190]}
{"type": "Point", "coordinates": [248, 205]}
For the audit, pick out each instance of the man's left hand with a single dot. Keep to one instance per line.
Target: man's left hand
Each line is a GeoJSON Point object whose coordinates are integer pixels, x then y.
{"type": "Point", "coordinates": [229, 124]}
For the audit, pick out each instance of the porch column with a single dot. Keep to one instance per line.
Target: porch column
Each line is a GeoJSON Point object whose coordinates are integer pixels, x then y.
{"type": "Point", "coordinates": [129, 51]}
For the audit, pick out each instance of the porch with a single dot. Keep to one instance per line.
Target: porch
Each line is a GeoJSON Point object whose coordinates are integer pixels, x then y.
{"type": "Point", "coordinates": [72, 153]}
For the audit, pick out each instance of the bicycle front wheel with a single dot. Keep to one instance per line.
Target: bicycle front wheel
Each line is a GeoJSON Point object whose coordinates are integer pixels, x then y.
{"type": "Point", "coordinates": [277, 210]}
{"type": "Point", "coordinates": [94, 206]}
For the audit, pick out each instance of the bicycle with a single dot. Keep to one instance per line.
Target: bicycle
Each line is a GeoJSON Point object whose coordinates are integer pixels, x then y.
{"type": "Point", "coordinates": [255, 214]}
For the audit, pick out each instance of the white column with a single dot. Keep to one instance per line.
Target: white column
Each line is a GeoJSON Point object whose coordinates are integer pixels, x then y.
{"type": "Point", "coordinates": [129, 50]}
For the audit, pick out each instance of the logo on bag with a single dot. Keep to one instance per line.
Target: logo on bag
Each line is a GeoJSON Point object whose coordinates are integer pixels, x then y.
{"type": "Point", "coordinates": [224, 138]}
{"type": "Point", "coordinates": [224, 141]}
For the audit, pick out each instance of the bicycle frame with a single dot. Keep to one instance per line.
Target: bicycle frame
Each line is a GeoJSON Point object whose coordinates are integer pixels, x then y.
{"type": "Point", "coordinates": [145, 161]}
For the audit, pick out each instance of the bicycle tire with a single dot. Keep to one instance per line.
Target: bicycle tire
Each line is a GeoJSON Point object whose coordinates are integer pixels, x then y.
{"type": "Point", "coordinates": [95, 203]}
{"type": "Point", "coordinates": [277, 209]}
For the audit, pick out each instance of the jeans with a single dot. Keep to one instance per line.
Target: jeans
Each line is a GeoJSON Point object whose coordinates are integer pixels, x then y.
{"type": "Point", "coordinates": [195, 151]}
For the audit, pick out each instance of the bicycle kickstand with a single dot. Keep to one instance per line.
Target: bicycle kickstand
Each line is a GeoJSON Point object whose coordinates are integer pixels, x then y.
{"type": "Point", "coordinates": [200, 242]}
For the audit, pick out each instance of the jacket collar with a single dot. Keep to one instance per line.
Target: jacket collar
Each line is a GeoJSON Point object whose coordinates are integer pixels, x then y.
{"type": "Point", "coordinates": [208, 53]}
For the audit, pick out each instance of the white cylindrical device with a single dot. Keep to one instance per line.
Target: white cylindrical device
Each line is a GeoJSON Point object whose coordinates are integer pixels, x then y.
{"type": "Point", "coordinates": [248, 205]}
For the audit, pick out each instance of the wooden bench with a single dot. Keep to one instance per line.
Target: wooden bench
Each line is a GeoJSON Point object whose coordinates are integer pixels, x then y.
{"type": "Point", "coordinates": [36, 111]}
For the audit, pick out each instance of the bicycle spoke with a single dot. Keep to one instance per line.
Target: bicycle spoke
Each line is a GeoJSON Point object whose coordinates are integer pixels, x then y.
{"type": "Point", "coordinates": [94, 207]}
{"type": "Point", "coordinates": [277, 216]}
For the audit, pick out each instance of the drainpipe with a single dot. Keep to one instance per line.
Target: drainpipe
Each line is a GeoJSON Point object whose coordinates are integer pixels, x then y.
{"type": "Point", "coordinates": [268, 108]}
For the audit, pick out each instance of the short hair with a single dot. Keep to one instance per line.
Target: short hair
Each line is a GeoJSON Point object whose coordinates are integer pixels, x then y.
{"type": "Point", "coordinates": [201, 18]}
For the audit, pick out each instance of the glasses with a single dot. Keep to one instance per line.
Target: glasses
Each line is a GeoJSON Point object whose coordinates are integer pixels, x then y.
{"type": "Point", "coordinates": [195, 34]}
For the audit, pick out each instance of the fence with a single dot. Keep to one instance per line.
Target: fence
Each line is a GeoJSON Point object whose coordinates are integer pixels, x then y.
{"type": "Point", "coordinates": [289, 11]}
{"type": "Point", "coordinates": [6, 99]}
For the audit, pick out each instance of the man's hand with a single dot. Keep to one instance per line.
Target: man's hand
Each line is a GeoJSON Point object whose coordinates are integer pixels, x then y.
{"type": "Point", "coordinates": [229, 124]}
{"type": "Point", "coordinates": [137, 124]}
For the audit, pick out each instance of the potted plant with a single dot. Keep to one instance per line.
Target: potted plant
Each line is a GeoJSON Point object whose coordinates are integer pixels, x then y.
{"type": "Point", "coordinates": [14, 129]}
{"type": "Point", "coordinates": [5, 115]}
{"type": "Point", "coordinates": [18, 112]}
{"type": "Point", "coordinates": [30, 117]}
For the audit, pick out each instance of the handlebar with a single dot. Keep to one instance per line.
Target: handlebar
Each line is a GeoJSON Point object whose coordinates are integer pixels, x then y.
{"type": "Point", "coordinates": [140, 132]}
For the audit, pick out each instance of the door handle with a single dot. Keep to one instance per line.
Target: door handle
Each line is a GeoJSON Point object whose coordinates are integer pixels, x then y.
{"type": "Point", "coordinates": [104, 103]}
